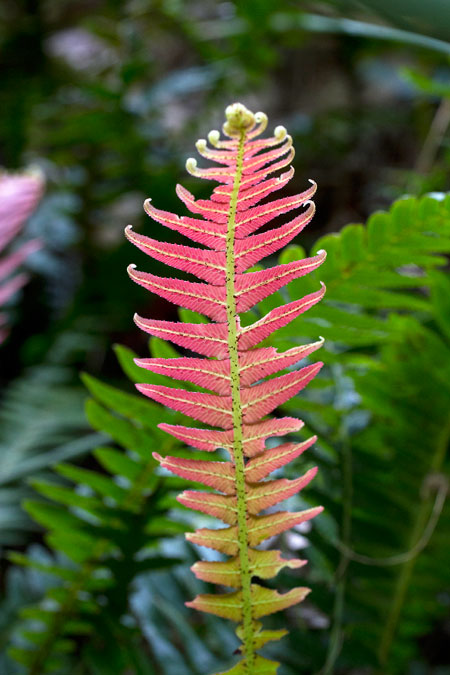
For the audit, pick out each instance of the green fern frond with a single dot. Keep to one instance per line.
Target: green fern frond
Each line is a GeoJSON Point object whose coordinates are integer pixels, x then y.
{"type": "Point", "coordinates": [41, 423]}
{"type": "Point", "coordinates": [372, 271]}
{"type": "Point", "coordinates": [391, 391]}
{"type": "Point", "coordinates": [104, 524]}
{"type": "Point", "coordinates": [399, 571]}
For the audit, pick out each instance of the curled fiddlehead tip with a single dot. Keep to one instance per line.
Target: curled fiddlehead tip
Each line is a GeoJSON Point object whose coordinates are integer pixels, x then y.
{"type": "Point", "coordinates": [239, 118]}
{"type": "Point", "coordinates": [214, 137]}
{"type": "Point", "coordinates": [280, 133]}
{"type": "Point", "coordinates": [201, 144]}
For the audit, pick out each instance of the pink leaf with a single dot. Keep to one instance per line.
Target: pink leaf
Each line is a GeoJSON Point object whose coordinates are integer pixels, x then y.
{"type": "Point", "coordinates": [261, 363]}
{"type": "Point", "coordinates": [10, 263]}
{"type": "Point", "coordinates": [261, 399]}
{"type": "Point", "coordinates": [202, 232]}
{"type": "Point", "coordinates": [203, 298]}
{"type": "Point", "coordinates": [252, 164]}
{"type": "Point", "coordinates": [210, 210]}
{"type": "Point", "coordinates": [214, 375]}
{"type": "Point", "coordinates": [224, 540]}
{"type": "Point", "coordinates": [254, 248]}
{"type": "Point", "coordinates": [259, 467]}
{"type": "Point", "coordinates": [264, 564]}
{"type": "Point", "coordinates": [277, 318]}
{"type": "Point", "coordinates": [219, 475]}
{"type": "Point", "coordinates": [253, 195]}
{"type": "Point", "coordinates": [251, 220]}
{"type": "Point", "coordinates": [220, 506]}
{"type": "Point", "coordinates": [203, 439]}
{"type": "Point", "coordinates": [209, 339]}
{"type": "Point", "coordinates": [263, 527]}
{"type": "Point", "coordinates": [207, 265]}
{"type": "Point", "coordinates": [207, 408]}
{"type": "Point", "coordinates": [234, 371]}
{"type": "Point", "coordinates": [253, 287]}
{"type": "Point", "coordinates": [10, 287]}
{"type": "Point", "coordinates": [19, 196]}
{"type": "Point", "coordinates": [254, 435]}
{"type": "Point", "coordinates": [265, 494]}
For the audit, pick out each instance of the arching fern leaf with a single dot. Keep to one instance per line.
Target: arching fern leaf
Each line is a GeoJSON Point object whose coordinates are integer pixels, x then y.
{"type": "Point", "coordinates": [384, 412]}
{"type": "Point", "coordinates": [103, 524]}
{"type": "Point", "coordinates": [372, 271]}
{"type": "Point", "coordinates": [241, 398]}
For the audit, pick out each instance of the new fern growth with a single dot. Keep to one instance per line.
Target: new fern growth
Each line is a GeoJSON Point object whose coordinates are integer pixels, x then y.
{"type": "Point", "coordinates": [234, 369]}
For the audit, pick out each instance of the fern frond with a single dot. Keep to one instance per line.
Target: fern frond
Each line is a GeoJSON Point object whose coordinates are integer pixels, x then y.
{"type": "Point", "coordinates": [408, 396]}
{"type": "Point", "coordinates": [240, 400]}
{"type": "Point", "coordinates": [103, 525]}
{"type": "Point", "coordinates": [19, 196]}
{"type": "Point", "coordinates": [389, 434]}
{"type": "Point", "coordinates": [372, 271]}
{"type": "Point", "coordinates": [41, 423]}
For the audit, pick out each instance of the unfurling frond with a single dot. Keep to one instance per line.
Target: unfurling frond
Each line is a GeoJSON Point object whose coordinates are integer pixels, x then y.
{"type": "Point", "coordinates": [238, 398]}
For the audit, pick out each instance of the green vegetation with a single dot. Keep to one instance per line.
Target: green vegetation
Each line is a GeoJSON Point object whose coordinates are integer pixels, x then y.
{"type": "Point", "coordinates": [107, 98]}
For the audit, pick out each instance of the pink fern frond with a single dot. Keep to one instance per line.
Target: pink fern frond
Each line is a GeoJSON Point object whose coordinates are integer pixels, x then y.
{"type": "Point", "coordinates": [19, 196]}
{"type": "Point", "coordinates": [232, 369]}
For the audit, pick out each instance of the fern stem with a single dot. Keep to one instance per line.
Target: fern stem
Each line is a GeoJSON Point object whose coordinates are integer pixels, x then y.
{"type": "Point", "coordinates": [435, 136]}
{"type": "Point", "coordinates": [404, 578]}
{"type": "Point", "coordinates": [136, 495]}
{"type": "Point", "coordinates": [38, 664]}
{"type": "Point", "coordinates": [232, 319]}
{"type": "Point", "coordinates": [132, 500]}
{"type": "Point", "coordinates": [336, 636]}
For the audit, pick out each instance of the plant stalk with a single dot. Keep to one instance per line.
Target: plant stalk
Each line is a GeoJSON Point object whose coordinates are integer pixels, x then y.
{"type": "Point", "coordinates": [404, 578]}
{"type": "Point", "coordinates": [238, 449]}
{"type": "Point", "coordinates": [336, 634]}
{"type": "Point", "coordinates": [433, 141]}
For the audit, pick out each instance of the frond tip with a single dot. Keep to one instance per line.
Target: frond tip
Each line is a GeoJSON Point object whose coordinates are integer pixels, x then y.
{"type": "Point", "coordinates": [232, 368]}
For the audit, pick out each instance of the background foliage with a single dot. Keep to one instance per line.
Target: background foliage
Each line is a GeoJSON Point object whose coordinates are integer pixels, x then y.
{"type": "Point", "coordinates": [108, 99]}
